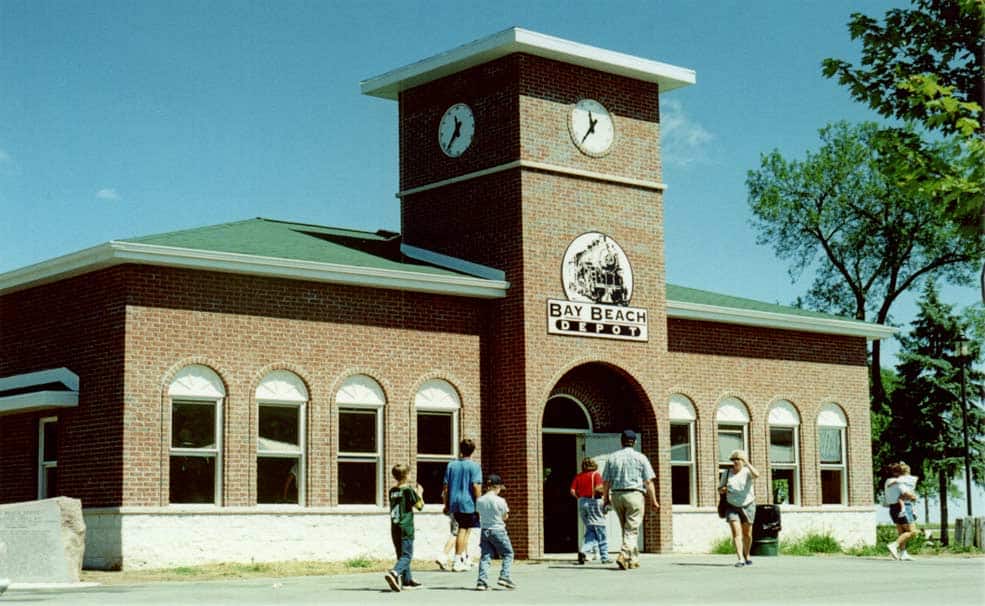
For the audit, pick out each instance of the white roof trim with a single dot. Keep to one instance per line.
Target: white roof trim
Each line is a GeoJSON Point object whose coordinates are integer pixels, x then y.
{"type": "Point", "coordinates": [748, 317]}
{"type": "Point", "coordinates": [40, 400]}
{"type": "Point", "coordinates": [117, 253]}
{"type": "Point", "coordinates": [518, 40]}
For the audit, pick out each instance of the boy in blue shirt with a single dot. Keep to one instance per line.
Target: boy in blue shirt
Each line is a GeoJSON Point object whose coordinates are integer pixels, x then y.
{"type": "Point", "coordinates": [462, 487]}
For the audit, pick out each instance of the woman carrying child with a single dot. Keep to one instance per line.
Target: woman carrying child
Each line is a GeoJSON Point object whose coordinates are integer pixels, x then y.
{"type": "Point", "coordinates": [901, 491]}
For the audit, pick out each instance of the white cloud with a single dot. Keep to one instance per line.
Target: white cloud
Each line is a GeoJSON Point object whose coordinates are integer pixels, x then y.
{"type": "Point", "coordinates": [685, 142]}
{"type": "Point", "coordinates": [107, 193]}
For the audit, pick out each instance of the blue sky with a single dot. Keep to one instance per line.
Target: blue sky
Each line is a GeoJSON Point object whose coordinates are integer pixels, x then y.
{"type": "Point", "coordinates": [121, 119]}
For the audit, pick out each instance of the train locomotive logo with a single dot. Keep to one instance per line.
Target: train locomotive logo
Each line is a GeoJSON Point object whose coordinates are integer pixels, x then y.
{"type": "Point", "coordinates": [598, 282]}
{"type": "Point", "coordinates": [596, 270]}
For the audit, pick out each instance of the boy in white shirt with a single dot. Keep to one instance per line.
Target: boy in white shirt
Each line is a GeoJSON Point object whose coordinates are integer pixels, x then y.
{"type": "Point", "coordinates": [493, 512]}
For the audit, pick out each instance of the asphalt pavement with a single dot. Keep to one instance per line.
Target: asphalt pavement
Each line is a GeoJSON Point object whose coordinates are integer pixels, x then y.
{"type": "Point", "coordinates": [661, 579]}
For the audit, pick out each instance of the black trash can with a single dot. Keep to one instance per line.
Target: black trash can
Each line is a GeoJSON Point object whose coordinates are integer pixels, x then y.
{"type": "Point", "coordinates": [766, 531]}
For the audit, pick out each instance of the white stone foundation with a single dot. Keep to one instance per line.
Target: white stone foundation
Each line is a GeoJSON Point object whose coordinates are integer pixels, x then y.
{"type": "Point", "coordinates": [696, 529]}
{"type": "Point", "coordinates": [143, 538]}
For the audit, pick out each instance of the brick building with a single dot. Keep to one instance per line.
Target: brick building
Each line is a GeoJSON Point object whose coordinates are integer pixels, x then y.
{"type": "Point", "coordinates": [239, 391]}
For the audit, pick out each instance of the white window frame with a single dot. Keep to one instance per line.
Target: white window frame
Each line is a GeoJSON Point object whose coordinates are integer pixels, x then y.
{"type": "Point", "coordinates": [682, 413]}
{"type": "Point", "coordinates": [197, 384]}
{"type": "Point", "coordinates": [832, 416]}
{"type": "Point", "coordinates": [438, 397]}
{"type": "Point", "coordinates": [44, 464]}
{"type": "Point", "coordinates": [783, 415]}
{"type": "Point", "coordinates": [362, 394]}
{"type": "Point", "coordinates": [731, 411]}
{"type": "Point", "coordinates": [285, 389]}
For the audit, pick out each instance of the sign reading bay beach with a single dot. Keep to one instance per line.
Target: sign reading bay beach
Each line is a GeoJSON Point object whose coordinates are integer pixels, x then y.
{"type": "Point", "coordinates": [598, 281]}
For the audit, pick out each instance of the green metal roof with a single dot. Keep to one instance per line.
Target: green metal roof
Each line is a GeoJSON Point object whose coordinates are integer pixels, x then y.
{"type": "Point", "coordinates": [299, 241]}
{"type": "Point", "coordinates": [683, 294]}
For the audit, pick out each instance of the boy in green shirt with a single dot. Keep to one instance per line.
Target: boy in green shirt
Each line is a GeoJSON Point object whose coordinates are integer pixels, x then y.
{"type": "Point", "coordinates": [404, 499]}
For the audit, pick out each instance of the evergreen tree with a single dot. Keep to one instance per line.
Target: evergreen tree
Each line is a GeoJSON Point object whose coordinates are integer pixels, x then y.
{"type": "Point", "coordinates": [926, 428]}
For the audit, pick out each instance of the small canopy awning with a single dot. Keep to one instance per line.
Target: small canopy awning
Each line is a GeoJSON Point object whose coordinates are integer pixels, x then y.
{"type": "Point", "coordinates": [41, 390]}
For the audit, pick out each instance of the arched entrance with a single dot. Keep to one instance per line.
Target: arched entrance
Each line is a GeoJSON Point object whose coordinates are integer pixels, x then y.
{"type": "Point", "coordinates": [566, 422]}
{"type": "Point", "coordinates": [583, 416]}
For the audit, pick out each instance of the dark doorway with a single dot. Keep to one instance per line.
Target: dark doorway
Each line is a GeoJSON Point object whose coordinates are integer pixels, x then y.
{"type": "Point", "coordinates": [560, 509]}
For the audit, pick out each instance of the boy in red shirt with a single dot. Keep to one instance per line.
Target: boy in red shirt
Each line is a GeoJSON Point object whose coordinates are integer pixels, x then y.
{"type": "Point", "coordinates": [587, 488]}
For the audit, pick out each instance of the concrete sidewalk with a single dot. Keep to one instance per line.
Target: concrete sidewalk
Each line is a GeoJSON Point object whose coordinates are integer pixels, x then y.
{"type": "Point", "coordinates": [671, 579]}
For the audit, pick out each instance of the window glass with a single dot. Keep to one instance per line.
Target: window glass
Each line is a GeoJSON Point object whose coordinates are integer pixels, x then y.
{"type": "Point", "coordinates": [434, 433]}
{"type": "Point", "coordinates": [830, 445]}
{"type": "Point", "coordinates": [357, 431]}
{"type": "Point", "coordinates": [279, 428]}
{"type": "Point", "coordinates": [431, 477]}
{"type": "Point", "coordinates": [192, 425]}
{"type": "Point", "coordinates": [730, 437]}
{"type": "Point", "coordinates": [277, 480]}
{"type": "Point", "coordinates": [192, 479]}
{"type": "Point", "coordinates": [680, 485]}
{"type": "Point", "coordinates": [50, 488]}
{"type": "Point", "coordinates": [680, 442]}
{"type": "Point", "coordinates": [831, 487]}
{"type": "Point", "coordinates": [783, 486]}
{"type": "Point", "coordinates": [782, 445]}
{"type": "Point", "coordinates": [564, 413]}
{"type": "Point", "coordinates": [357, 482]}
{"type": "Point", "coordinates": [50, 441]}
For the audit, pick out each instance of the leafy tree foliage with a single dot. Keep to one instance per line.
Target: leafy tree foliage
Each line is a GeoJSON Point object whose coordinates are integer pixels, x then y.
{"type": "Point", "coordinates": [840, 213]}
{"type": "Point", "coordinates": [926, 63]}
{"type": "Point", "coordinates": [925, 427]}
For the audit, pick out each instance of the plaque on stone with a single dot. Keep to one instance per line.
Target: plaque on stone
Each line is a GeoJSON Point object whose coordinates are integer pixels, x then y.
{"type": "Point", "coordinates": [43, 541]}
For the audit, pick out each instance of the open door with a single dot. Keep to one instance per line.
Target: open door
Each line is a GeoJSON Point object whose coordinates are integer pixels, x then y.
{"type": "Point", "coordinates": [599, 446]}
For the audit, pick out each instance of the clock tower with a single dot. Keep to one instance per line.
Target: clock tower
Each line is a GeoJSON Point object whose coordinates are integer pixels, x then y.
{"type": "Point", "coordinates": [540, 157]}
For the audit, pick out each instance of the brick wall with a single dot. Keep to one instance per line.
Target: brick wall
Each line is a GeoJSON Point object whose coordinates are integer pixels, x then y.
{"type": "Point", "coordinates": [243, 327]}
{"type": "Point", "coordinates": [79, 324]}
{"type": "Point", "coordinates": [709, 362]}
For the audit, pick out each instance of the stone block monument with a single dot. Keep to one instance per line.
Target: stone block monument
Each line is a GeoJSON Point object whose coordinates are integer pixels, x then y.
{"type": "Point", "coordinates": [42, 541]}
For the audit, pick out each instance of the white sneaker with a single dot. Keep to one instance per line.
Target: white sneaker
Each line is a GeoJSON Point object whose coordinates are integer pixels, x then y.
{"type": "Point", "coordinates": [893, 550]}
{"type": "Point", "coordinates": [459, 566]}
{"type": "Point", "coordinates": [904, 556]}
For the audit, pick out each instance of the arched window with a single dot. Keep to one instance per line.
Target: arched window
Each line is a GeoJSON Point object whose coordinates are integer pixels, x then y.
{"type": "Point", "coordinates": [831, 424]}
{"type": "Point", "coordinates": [784, 426]}
{"type": "Point", "coordinates": [437, 406]}
{"type": "Point", "coordinates": [196, 395]}
{"type": "Point", "coordinates": [281, 398]}
{"type": "Point", "coordinates": [682, 418]}
{"type": "Point", "coordinates": [360, 437]}
{"type": "Point", "coordinates": [732, 419]}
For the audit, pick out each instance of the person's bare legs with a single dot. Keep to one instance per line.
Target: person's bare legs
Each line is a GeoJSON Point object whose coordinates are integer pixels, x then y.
{"type": "Point", "coordinates": [746, 540]}
{"type": "Point", "coordinates": [737, 532]}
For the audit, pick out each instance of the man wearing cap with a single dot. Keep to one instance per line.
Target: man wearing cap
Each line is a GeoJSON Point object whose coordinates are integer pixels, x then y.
{"type": "Point", "coordinates": [628, 476]}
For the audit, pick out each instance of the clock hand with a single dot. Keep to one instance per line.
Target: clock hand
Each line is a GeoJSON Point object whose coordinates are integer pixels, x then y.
{"type": "Point", "coordinates": [591, 126]}
{"type": "Point", "coordinates": [455, 133]}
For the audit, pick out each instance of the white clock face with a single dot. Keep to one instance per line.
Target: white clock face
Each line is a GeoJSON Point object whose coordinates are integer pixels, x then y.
{"type": "Point", "coordinates": [591, 127]}
{"type": "Point", "coordinates": [456, 130]}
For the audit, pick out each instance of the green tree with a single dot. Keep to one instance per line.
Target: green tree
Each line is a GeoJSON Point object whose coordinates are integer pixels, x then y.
{"type": "Point", "coordinates": [925, 63]}
{"type": "Point", "coordinates": [926, 427]}
{"type": "Point", "coordinates": [840, 213]}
